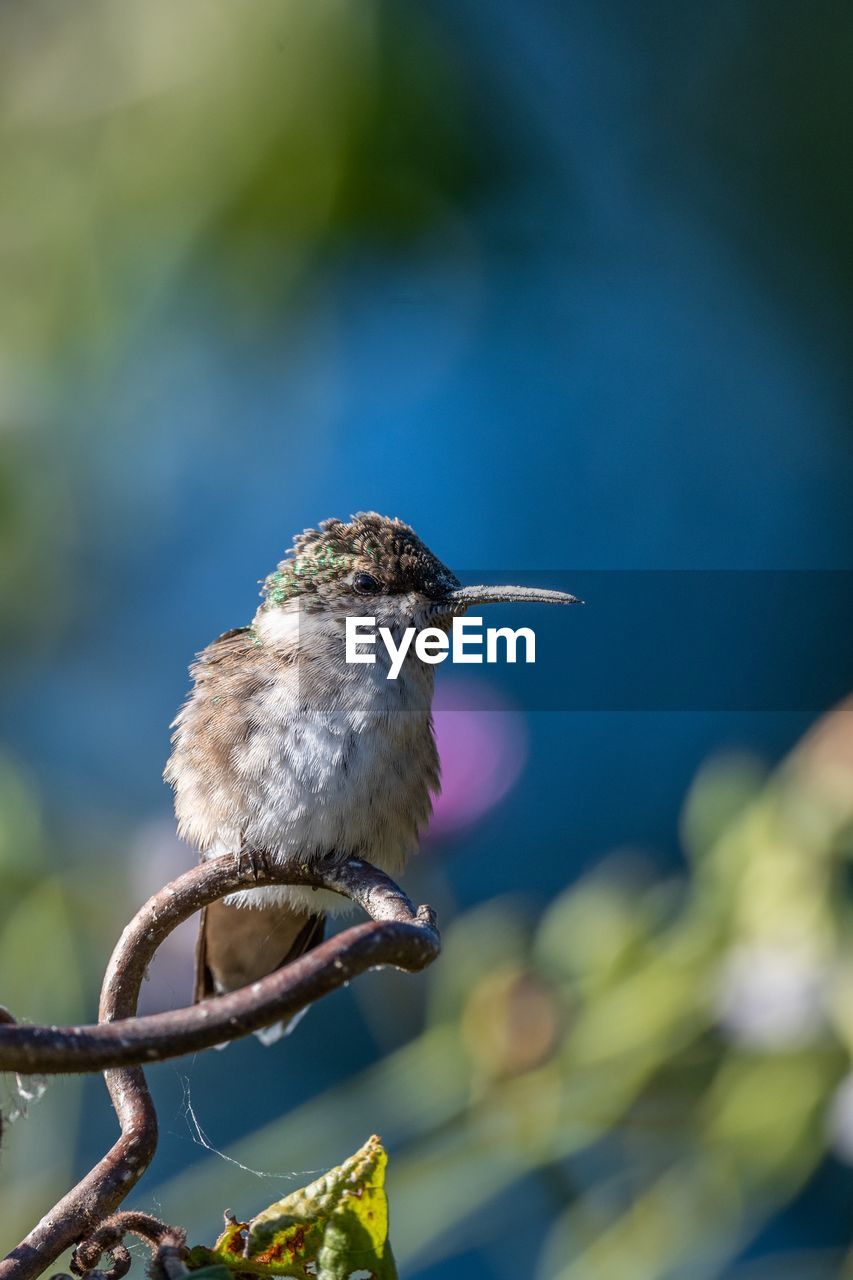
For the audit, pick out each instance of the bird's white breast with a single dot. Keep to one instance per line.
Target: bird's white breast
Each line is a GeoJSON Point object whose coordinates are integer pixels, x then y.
{"type": "Point", "coordinates": [329, 759]}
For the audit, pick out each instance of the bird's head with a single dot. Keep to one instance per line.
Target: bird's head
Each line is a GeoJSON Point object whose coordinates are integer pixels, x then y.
{"type": "Point", "coordinates": [378, 566]}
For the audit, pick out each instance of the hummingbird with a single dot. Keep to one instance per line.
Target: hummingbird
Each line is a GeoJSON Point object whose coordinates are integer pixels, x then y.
{"type": "Point", "coordinates": [283, 747]}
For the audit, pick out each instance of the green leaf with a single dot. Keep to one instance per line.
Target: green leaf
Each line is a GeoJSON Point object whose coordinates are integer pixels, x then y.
{"type": "Point", "coordinates": [334, 1229]}
{"type": "Point", "coordinates": [218, 1271]}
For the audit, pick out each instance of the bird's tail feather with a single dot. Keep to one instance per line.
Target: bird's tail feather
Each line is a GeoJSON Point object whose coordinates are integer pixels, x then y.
{"type": "Point", "coordinates": [239, 945]}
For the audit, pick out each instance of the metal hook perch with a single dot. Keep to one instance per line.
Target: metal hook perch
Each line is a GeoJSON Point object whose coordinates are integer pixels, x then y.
{"type": "Point", "coordinates": [397, 935]}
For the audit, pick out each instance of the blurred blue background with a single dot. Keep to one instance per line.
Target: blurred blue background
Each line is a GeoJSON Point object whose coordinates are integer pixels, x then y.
{"type": "Point", "coordinates": [566, 287]}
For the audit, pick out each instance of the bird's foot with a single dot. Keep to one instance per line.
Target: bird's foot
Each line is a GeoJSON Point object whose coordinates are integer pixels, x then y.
{"type": "Point", "coordinates": [253, 862]}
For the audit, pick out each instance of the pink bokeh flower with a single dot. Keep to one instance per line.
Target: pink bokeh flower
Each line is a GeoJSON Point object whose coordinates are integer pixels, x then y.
{"type": "Point", "coordinates": [482, 743]}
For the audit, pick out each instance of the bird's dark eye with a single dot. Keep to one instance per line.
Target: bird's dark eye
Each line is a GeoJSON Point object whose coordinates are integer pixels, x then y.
{"type": "Point", "coordinates": [365, 584]}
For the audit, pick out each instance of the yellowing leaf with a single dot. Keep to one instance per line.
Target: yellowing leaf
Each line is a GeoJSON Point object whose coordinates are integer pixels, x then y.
{"type": "Point", "coordinates": [334, 1229]}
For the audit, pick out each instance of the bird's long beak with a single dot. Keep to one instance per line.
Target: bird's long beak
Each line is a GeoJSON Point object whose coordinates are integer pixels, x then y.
{"type": "Point", "coordinates": [463, 598]}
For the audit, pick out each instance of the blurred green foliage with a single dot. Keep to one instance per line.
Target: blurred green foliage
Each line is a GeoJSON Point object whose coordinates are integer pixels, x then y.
{"type": "Point", "coordinates": [57, 926]}
{"type": "Point", "coordinates": [140, 141]}
{"type": "Point", "coordinates": [45, 981]}
{"type": "Point", "coordinates": [665, 1059]}
{"type": "Point", "coordinates": [264, 127]}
